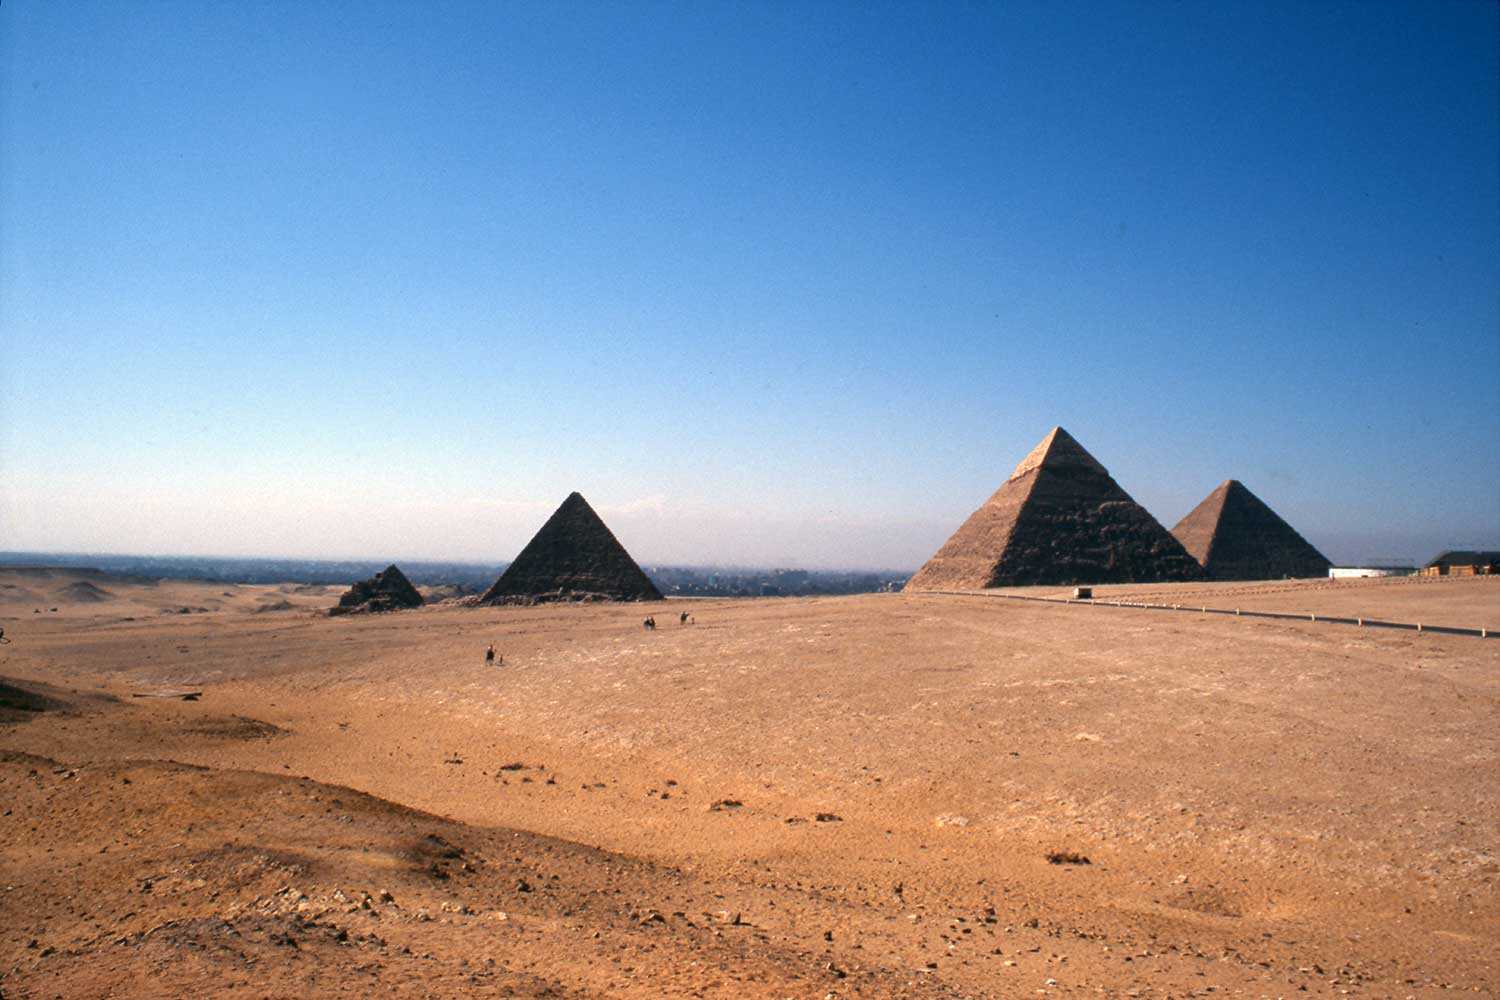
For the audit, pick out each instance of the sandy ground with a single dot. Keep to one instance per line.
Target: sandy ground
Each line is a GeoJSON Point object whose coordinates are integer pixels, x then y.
{"type": "Point", "coordinates": [1471, 603]}
{"type": "Point", "coordinates": [789, 798]}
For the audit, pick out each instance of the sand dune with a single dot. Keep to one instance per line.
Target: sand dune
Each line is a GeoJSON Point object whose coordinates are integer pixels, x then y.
{"type": "Point", "coordinates": [71, 593]}
{"type": "Point", "coordinates": [874, 784]}
{"type": "Point", "coordinates": [81, 592]}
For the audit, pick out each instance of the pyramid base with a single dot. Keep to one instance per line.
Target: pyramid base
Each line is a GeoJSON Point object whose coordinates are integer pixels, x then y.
{"type": "Point", "coordinates": [564, 597]}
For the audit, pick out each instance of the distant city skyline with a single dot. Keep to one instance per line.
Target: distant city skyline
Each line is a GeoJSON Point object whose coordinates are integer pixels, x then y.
{"type": "Point", "coordinates": [782, 285]}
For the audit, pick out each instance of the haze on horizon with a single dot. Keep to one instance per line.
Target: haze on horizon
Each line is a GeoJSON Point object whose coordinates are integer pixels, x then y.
{"type": "Point", "coordinates": [771, 285]}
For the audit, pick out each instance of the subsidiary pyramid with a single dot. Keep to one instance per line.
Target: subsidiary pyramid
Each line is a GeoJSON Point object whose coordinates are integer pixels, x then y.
{"type": "Point", "coordinates": [1059, 519]}
{"type": "Point", "coordinates": [573, 558]}
{"type": "Point", "coordinates": [388, 590]}
{"type": "Point", "coordinates": [1235, 536]}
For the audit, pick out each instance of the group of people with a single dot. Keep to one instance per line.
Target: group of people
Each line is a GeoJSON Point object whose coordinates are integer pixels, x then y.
{"type": "Point", "coordinates": [683, 619]}
{"type": "Point", "coordinates": [495, 659]}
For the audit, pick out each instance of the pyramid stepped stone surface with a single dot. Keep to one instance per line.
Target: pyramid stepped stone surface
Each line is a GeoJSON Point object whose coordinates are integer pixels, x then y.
{"type": "Point", "coordinates": [388, 590]}
{"type": "Point", "coordinates": [575, 557]}
{"type": "Point", "coordinates": [1059, 519]}
{"type": "Point", "coordinates": [1235, 536]}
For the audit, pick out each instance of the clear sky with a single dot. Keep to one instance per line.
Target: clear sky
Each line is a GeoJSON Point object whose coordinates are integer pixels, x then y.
{"type": "Point", "coordinates": [769, 283]}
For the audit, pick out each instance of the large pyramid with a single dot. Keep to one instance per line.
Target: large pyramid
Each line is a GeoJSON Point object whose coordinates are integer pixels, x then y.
{"type": "Point", "coordinates": [1058, 519]}
{"type": "Point", "coordinates": [1235, 536]}
{"type": "Point", "coordinates": [573, 558]}
{"type": "Point", "coordinates": [388, 590]}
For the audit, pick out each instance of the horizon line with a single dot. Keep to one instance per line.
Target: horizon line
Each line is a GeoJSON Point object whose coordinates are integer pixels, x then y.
{"type": "Point", "coordinates": [6, 554]}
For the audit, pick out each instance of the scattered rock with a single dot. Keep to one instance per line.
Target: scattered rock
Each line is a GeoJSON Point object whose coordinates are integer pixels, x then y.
{"type": "Point", "coordinates": [1066, 858]}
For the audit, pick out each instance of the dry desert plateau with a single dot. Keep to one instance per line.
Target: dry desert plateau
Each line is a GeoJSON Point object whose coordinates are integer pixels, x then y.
{"type": "Point", "coordinates": [948, 795]}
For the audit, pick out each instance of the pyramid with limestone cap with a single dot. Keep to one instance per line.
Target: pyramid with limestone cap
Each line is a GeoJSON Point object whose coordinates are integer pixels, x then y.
{"type": "Point", "coordinates": [1235, 536]}
{"type": "Point", "coordinates": [1059, 519]}
{"type": "Point", "coordinates": [574, 557]}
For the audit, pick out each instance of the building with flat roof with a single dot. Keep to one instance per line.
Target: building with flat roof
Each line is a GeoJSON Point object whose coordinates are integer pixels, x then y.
{"type": "Point", "coordinates": [1356, 572]}
{"type": "Point", "coordinates": [1460, 562]}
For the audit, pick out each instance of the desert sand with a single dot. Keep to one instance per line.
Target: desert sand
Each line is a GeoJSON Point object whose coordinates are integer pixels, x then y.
{"type": "Point", "coordinates": [846, 797]}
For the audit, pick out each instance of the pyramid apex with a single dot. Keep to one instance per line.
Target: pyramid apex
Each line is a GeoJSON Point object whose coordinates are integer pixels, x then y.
{"type": "Point", "coordinates": [1056, 450]}
{"type": "Point", "coordinates": [1058, 435]}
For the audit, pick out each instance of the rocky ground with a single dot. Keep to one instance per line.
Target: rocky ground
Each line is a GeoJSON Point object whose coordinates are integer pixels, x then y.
{"type": "Point", "coordinates": [873, 796]}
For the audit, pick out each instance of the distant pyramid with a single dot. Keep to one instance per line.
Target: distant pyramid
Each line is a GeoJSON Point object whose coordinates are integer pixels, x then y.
{"type": "Point", "coordinates": [388, 590]}
{"type": "Point", "coordinates": [573, 558]}
{"type": "Point", "coordinates": [1235, 536]}
{"type": "Point", "coordinates": [1058, 519]}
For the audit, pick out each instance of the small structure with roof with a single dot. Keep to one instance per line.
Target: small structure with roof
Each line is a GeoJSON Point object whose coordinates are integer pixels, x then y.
{"type": "Point", "coordinates": [1369, 572]}
{"type": "Point", "coordinates": [1460, 562]}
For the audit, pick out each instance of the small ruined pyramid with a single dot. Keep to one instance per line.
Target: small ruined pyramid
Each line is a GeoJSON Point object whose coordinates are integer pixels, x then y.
{"type": "Point", "coordinates": [1235, 536]}
{"type": "Point", "coordinates": [388, 590]}
{"type": "Point", "coordinates": [1059, 519]}
{"type": "Point", "coordinates": [573, 558]}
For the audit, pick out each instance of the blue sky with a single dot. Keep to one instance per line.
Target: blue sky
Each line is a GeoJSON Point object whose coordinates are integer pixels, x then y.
{"type": "Point", "coordinates": [771, 283]}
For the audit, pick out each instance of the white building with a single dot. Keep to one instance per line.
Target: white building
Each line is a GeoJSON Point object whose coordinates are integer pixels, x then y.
{"type": "Point", "coordinates": [1355, 572]}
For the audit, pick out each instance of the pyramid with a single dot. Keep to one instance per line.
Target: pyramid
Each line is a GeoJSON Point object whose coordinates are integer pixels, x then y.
{"type": "Point", "coordinates": [388, 590]}
{"type": "Point", "coordinates": [573, 558]}
{"type": "Point", "coordinates": [1058, 519]}
{"type": "Point", "coordinates": [1235, 536]}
